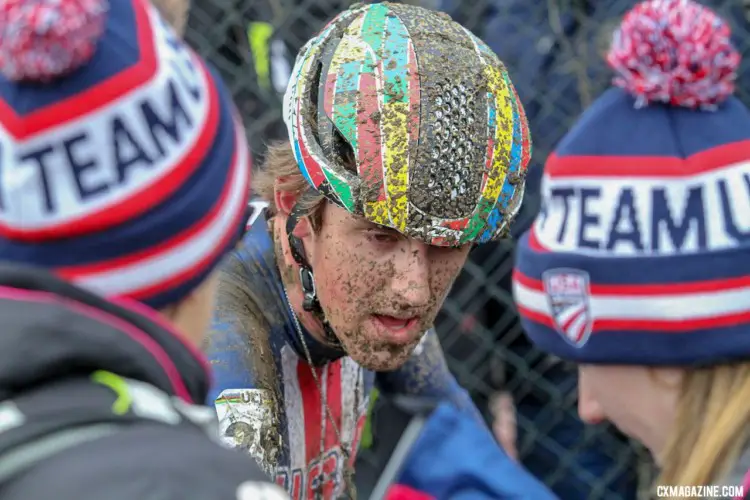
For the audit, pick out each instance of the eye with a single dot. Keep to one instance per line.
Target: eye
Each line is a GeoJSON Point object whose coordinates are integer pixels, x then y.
{"type": "Point", "coordinates": [380, 236]}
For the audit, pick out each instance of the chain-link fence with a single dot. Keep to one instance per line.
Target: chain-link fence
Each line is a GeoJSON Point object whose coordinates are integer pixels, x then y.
{"type": "Point", "coordinates": [553, 49]}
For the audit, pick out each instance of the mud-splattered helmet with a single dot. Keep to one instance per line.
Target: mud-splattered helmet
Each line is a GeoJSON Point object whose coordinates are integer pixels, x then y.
{"type": "Point", "coordinates": [400, 114]}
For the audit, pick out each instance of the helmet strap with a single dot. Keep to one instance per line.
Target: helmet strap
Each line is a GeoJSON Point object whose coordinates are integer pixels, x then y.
{"type": "Point", "coordinates": [310, 302]}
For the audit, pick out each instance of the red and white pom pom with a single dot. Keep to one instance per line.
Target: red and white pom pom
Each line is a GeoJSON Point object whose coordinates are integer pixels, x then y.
{"type": "Point", "coordinates": [674, 51]}
{"type": "Point", "coordinates": [44, 39]}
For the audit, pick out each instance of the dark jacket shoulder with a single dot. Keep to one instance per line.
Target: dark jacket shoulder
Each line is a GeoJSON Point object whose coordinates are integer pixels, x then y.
{"type": "Point", "coordinates": [148, 461]}
{"type": "Point", "coordinates": [102, 400]}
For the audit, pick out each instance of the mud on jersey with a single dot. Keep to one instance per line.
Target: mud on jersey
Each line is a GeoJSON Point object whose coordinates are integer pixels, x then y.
{"type": "Point", "coordinates": [266, 394]}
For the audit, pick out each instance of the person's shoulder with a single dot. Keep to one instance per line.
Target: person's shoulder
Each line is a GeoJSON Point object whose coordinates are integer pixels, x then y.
{"type": "Point", "coordinates": [146, 461]}
{"type": "Point", "coordinates": [247, 295]}
{"type": "Point", "coordinates": [239, 344]}
{"type": "Point", "coordinates": [241, 323]}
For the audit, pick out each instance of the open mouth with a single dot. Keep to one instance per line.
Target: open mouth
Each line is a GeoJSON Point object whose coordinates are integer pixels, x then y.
{"type": "Point", "coordinates": [396, 329]}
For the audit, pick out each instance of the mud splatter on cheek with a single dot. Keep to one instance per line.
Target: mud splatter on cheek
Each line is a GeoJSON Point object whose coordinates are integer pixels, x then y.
{"type": "Point", "coordinates": [443, 272]}
{"type": "Point", "coordinates": [353, 279]}
{"type": "Point", "coordinates": [354, 283]}
{"type": "Point", "coordinates": [442, 280]}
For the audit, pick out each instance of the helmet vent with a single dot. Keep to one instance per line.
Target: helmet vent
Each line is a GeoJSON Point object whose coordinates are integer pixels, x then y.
{"type": "Point", "coordinates": [313, 97]}
{"type": "Point", "coordinates": [344, 151]}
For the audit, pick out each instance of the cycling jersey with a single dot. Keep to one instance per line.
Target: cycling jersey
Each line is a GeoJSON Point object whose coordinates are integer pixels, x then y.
{"type": "Point", "coordinates": [266, 392]}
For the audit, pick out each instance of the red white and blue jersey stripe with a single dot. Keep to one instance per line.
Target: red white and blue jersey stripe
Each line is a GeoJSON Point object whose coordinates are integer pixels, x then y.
{"type": "Point", "coordinates": [319, 451]}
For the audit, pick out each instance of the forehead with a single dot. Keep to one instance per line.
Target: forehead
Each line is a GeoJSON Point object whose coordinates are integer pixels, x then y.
{"type": "Point", "coordinates": [337, 217]}
{"type": "Point", "coordinates": [337, 220]}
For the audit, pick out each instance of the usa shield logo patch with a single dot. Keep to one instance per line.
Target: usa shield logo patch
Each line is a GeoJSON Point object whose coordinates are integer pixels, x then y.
{"type": "Point", "coordinates": [567, 292]}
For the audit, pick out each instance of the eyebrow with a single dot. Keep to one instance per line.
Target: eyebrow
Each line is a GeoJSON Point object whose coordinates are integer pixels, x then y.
{"type": "Point", "coordinates": [363, 223]}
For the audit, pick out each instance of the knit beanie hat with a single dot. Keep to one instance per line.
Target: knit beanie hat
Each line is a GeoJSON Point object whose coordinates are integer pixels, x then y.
{"type": "Point", "coordinates": [641, 251]}
{"type": "Point", "coordinates": [123, 164]}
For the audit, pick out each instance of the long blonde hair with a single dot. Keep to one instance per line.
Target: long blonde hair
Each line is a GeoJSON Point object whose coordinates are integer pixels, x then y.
{"type": "Point", "coordinates": [712, 426]}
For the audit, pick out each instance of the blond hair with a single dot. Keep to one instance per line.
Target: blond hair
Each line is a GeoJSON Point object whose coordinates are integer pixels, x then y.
{"type": "Point", "coordinates": [280, 172]}
{"type": "Point", "coordinates": [712, 426]}
{"type": "Point", "coordinates": [175, 12]}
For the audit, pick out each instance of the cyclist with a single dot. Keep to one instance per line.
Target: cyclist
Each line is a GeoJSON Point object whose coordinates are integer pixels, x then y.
{"type": "Point", "coordinates": [407, 145]}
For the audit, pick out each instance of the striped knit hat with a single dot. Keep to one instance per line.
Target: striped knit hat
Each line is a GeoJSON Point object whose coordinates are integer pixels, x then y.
{"type": "Point", "coordinates": [641, 251]}
{"type": "Point", "coordinates": [123, 165]}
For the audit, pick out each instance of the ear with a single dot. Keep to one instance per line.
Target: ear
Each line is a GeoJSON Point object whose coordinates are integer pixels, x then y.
{"type": "Point", "coordinates": [284, 200]}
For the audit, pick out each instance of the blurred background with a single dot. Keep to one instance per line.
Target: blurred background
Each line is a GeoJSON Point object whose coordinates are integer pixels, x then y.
{"type": "Point", "coordinates": [554, 52]}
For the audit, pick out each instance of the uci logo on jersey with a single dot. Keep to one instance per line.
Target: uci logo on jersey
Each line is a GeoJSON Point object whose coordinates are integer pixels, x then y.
{"type": "Point", "coordinates": [568, 295]}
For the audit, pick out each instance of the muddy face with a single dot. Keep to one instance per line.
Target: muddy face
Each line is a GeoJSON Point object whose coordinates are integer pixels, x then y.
{"type": "Point", "coordinates": [379, 290]}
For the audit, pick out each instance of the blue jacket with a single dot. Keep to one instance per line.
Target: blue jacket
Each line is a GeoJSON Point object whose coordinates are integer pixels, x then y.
{"type": "Point", "coordinates": [455, 458]}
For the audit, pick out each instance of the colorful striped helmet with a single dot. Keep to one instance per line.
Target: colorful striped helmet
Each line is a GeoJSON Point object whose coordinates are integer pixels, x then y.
{"type": "Point", "coordinates": [400, 114]}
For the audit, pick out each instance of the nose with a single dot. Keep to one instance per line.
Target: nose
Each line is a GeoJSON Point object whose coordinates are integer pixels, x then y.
{"type": "Point", "coordinates": [411, 279]}
{"type": "Point", "coordinates": [589, 409]}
